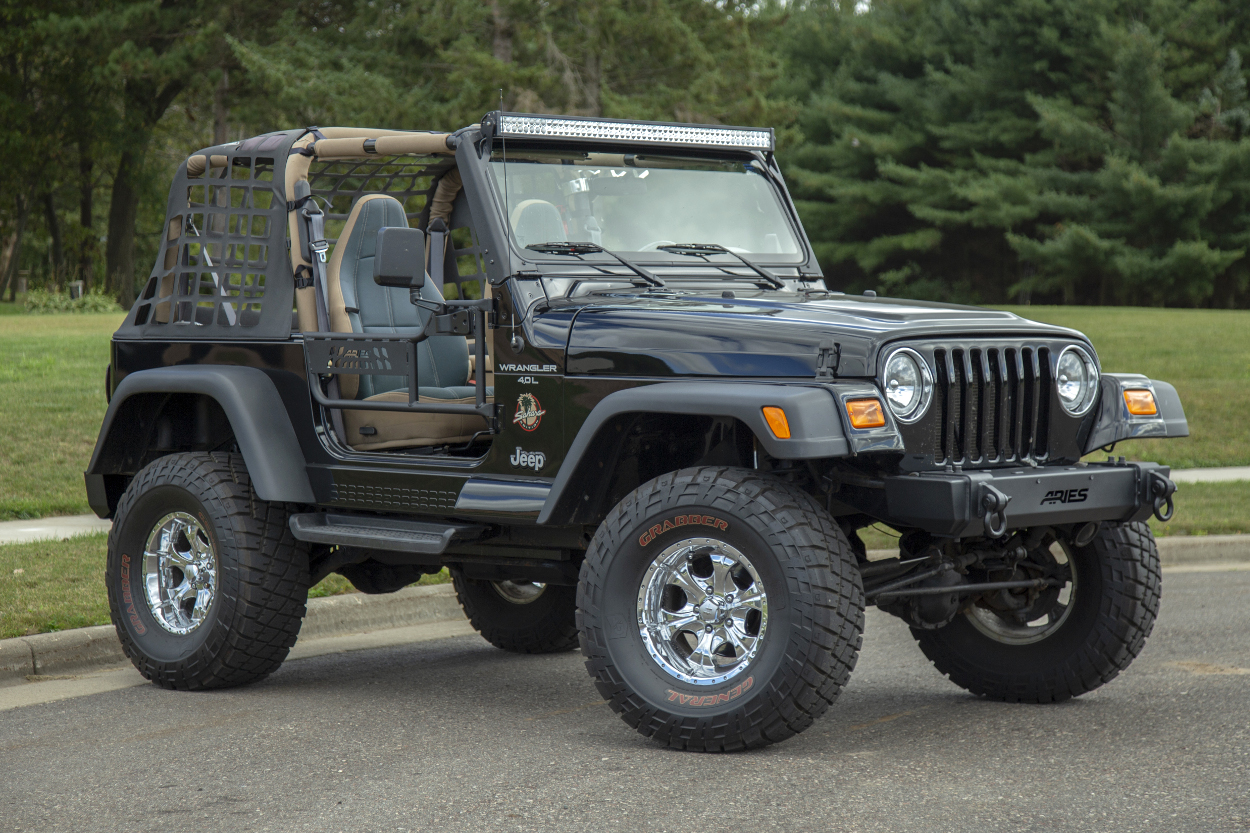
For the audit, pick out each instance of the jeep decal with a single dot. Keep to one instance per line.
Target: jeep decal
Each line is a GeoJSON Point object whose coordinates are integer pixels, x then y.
{"type": "Point", "coordinates": [681, 520]}
{"type": "Point", "coordinates": [528, 459]}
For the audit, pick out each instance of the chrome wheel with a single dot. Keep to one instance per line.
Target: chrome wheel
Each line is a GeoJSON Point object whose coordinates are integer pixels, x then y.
{"type": "Point", "coordinates": [519, 592]}
{"type": "Point", "coordinates": [702, 611]}
{"type": "Point", "coordinates": [1023, 617]}
{"type": "Point", "coordinates": [180, 573]}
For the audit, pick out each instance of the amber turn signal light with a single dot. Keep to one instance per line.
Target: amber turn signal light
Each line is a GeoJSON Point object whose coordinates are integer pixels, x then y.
{"type": "Point", "coordinates": [777, 421]}
{"type": "Point", "coordinates": [865, 413]}
{"type": "Point", "coordinates": [1140, 402]}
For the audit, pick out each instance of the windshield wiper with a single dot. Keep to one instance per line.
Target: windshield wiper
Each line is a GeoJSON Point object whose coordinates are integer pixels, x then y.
{"type": "Point", "coordinates": [704, 249]}
{"type": "Point", "coordinates": [564, 248]}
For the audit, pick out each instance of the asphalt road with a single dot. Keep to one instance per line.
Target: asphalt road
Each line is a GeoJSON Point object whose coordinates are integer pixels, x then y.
{"type": "Point", "coordinates": [455, 735]}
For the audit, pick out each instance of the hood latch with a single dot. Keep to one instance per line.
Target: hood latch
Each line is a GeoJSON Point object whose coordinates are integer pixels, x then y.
{"type": "Point", "coordinates": [827, 360]}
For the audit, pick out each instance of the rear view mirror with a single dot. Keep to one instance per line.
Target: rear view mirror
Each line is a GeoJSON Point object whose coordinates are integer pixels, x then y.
{"type": "Point", "coordinates": [399, 258]}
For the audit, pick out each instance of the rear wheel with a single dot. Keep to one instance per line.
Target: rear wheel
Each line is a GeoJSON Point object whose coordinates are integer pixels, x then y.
{"type": "Point", "coordinates": [1063, 642]}
{"type": "Point", "coordinates": [719, 609]}
{"type": "Point", "coordinates": [524, 617]}
{"type": "Point", "coordinates": [206, 584]}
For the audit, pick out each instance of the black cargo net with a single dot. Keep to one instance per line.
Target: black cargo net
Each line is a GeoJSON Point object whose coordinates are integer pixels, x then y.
{"type": "Point", "coordinates": [412, 180]}
{"type": "Point", "coordinates": [222, 270]}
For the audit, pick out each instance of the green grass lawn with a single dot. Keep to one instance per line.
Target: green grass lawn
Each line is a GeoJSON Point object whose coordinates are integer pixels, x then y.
{"type": "Point", "coordinates": [54, 585]}
{"type": "Point", "coordinates": [1204, 353]}
{"type": "Point", "coordinates": [51, 405]}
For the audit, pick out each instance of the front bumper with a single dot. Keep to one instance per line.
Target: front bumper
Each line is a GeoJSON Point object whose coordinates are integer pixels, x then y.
{"type": "Point", "coordinates": [972, 504]}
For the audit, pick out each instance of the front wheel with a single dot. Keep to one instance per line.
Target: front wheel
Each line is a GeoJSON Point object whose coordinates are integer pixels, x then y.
{"type": "Point", "coordinates": [719, 609]}
{"type": "Point", "coordinates": [1059, 644]}
{"type": "Point", "coordinates": [206, 584]}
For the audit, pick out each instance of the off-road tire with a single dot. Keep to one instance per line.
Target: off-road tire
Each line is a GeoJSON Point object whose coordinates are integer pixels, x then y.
{"type": "Point", "coordinates": [1115, 603]}
{"type": "Point", "coordinates": [546, 625]}
{"type": "Point", "coordinates": [262, 575]}
{"type": "Point", "coordinates": [815, 610]}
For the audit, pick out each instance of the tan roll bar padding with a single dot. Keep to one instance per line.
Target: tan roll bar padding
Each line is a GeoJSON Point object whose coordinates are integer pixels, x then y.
{"type": "Point", "coordinates": [306, 298]}
{"type": "Point", "coordinates": [387, 143]}
{"type": "Point", "coordinates": [195, 164]}
{"type": "Point", "coordinates": [445, 196]}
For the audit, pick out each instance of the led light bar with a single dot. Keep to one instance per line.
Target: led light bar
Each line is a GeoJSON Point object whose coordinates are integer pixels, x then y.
{"type": "Point", "coordinates": [514, 125]}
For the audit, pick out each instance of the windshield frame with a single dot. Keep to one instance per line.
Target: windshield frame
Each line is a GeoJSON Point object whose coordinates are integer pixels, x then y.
{"type": "Point", "coordinates": [604, 267]}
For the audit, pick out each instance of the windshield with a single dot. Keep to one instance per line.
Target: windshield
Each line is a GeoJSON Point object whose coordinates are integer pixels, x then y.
{"type": "Point", "coordinates": [636, 203]}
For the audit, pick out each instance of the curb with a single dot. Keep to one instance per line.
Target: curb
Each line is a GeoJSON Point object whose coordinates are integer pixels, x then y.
{"type": "Point", "coordinates": [81, 650]}
{"type": "Point", "coordinates": [85, 649]}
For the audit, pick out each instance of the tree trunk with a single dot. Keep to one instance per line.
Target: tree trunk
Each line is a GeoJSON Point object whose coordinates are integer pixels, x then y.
{"type": "Point", "coordinates": [501, 43]}
{"type": "Point", "coordinates": [123, 208]}
{"type": "Point", "coordinates": [15, 248]}
{"type": "Point", "coordinates": [54, 230]}
{"type": "Point", "coordinates": [144, 108]}
{"type": "Point", "coordinates": [86, 219]}
{"type": "Point", "coordinates": [221, 109]}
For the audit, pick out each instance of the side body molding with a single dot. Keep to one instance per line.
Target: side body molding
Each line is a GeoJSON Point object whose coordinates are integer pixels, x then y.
{"type": "Point", "coordinates": [257, 415]}
{"type": "Point", "coordinates": [815, 428]}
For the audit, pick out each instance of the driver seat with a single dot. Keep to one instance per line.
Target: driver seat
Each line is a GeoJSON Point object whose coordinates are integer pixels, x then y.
{"type": "Point", "coordinates": [358, 305]}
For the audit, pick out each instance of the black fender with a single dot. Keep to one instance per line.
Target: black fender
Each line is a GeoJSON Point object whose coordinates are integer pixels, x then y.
{"type": "Point", "coordinates": [1114, 423]}
{"type": "Point", "coordinates": [812, 411]}
{"type": "Point", "coordinates": [258, 419]}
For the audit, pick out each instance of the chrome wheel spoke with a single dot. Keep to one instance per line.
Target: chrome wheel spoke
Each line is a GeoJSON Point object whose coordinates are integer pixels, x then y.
{"type": "Point", "coordinates": [695, 588]}
{"type": "Point", "coordinates": [180, 573]}
{"type": "Point", "coordinates": [695, 619]}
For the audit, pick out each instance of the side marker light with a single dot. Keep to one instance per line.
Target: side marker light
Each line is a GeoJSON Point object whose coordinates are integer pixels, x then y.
{"type": "Point", "coordinates": [777, 421]}
{"type": "Point", "coordinates": [1140, 402]}
{"type": "Point", "coordinates": [865, 413]}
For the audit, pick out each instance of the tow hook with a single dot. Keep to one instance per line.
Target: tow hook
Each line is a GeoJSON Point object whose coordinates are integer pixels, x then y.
{"type": "Point", "coordinates": [1160, 490]}
{"type": "Point", "coordinates": [994, 511]}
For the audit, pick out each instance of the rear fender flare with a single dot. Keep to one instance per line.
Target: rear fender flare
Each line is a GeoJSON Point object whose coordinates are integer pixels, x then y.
{"type": "Point", "coordinates": [258, 419]}
{"type": "Point", "coordinates": [812, 411]}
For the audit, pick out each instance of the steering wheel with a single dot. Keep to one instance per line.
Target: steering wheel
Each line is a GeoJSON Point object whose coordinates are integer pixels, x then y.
{"type": "Point", "coordinates": [655, 245]}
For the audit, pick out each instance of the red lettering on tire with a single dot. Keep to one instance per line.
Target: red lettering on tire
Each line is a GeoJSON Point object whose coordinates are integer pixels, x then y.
{"type": "Point", "coordinates": [711, 699]}
{"type": "Point", "coordinates": [680, 520]}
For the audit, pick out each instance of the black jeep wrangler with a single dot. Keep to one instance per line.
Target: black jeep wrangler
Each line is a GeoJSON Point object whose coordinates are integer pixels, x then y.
{"type": "Point", "coordinates": [592, 367]}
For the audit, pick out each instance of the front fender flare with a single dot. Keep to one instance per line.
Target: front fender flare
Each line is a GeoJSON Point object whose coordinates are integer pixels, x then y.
{"type": "Point", "coordinates": [1114, 423]}
{"type": "Point", "coordinates": [257, 415]}
{"type": "Point", "coordinates": [815, 427]}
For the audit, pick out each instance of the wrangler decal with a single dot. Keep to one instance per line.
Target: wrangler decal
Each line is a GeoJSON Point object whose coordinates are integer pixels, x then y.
{"type": "Point", "coordinates": [681, 520]}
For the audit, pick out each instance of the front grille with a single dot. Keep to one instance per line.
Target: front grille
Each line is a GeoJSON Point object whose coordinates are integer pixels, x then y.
{"type": "Point", "coordinates": [992, 404]}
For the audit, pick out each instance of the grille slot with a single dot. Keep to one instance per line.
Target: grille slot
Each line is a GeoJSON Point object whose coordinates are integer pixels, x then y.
{"type": "Point", "coordinates": [992, 404]}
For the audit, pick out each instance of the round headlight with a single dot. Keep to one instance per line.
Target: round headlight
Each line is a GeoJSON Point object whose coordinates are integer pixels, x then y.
{"type": "Point", "coordinates": [908, 385]}
{"type": "Point", "coordinates": [1076, 380]}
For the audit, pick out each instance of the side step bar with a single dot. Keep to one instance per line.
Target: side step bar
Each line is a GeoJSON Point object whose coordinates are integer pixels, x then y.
{"type": "Point", "coordinates": [368, 532]}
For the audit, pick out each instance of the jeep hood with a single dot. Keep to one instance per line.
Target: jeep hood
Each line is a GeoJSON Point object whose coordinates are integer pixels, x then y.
{"type": "Point", "coordinates": [767, 334]}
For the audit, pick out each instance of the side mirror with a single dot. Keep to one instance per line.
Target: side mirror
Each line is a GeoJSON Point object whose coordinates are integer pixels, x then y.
{"type": "Point", "coordinates": [399, 258]}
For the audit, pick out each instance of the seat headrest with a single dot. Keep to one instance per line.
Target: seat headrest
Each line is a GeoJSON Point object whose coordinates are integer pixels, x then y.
{"type": "Point", "coordinates": [369, 214]}
{"type": "Point", "coordinates": [537, 221]}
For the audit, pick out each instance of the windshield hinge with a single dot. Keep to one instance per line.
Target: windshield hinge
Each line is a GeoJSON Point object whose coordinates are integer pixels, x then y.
{"type": "Point", "coordinates": [827, 360]}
